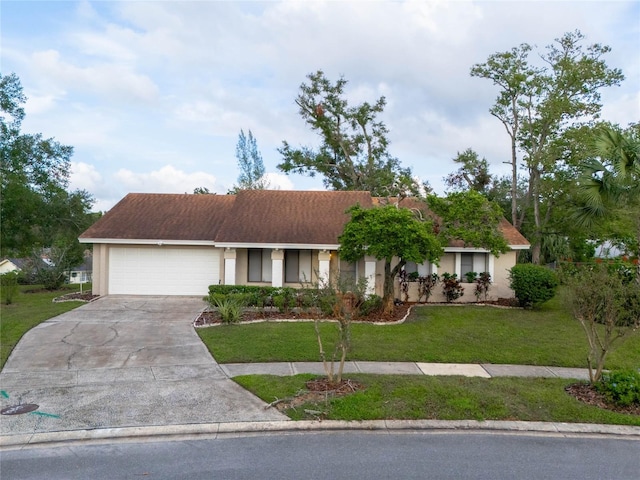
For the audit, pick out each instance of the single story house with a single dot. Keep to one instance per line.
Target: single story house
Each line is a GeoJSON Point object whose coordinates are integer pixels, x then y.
{"type": "Point", "coordinates": [81, 273]}
{"type": "Point", "coordinates": [11, 265]}
{"type": "Point", "coordinates": [22, 265]}
{"type": "Point", "coordinates": [179, 244]}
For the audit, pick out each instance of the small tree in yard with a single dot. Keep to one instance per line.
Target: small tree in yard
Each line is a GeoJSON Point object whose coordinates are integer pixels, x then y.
{"type": "Point", "coordinates": [342, 301]}
{"type": "Point", "coordinates": [386, 233]}
{"type": "Point", "coordinates": [608, 307]}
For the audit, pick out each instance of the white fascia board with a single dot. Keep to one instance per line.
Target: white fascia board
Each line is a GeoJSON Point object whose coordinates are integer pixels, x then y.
{"type": "Point", "coordinates": [481, 250]}
{"type": "Point", "coordinates": [465, 250]}
{"type": "Point", "coordinates": [279, 246]}
{"type": "Point", "coordinates": [147, 241]}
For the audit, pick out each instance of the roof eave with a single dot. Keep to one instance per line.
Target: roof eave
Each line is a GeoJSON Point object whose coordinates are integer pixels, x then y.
{"type": "Point", "coordinates": [147, 241]}
{"type": "Point", "coordinates": [280, 246]}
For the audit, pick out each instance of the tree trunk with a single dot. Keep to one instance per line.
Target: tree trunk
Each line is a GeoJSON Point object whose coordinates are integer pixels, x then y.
{"type": "Point", "coordinates": [514, 185]}
{"type": "Point", "coordinates": [537, 236]}
{"type": "Point", "coordinates": [638, 252]}
{"type": "Point", "coordinates": [388, 294]}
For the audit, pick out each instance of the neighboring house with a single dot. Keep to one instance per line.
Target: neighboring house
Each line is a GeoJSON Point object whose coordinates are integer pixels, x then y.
{"type": "Point", "coordinates": [165, 244]}
{"type": "Point", "coordinates": [24, 265]}
{"type": "Point", "coordinates": [81, 273]}
{"type": "Point", "coordinates": [11, 265]}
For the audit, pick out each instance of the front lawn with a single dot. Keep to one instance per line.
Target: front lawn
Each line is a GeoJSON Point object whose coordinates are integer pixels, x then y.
{"type": "Point", "coordinates": [28, 310]}
{"type": "Point", "coordinates": [409, 397]}
{"type": "Point", "coordinates": [449, 334]}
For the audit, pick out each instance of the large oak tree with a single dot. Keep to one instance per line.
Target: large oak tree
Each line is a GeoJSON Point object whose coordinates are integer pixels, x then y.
{"type": "Point", "coordinates": [353, 152]}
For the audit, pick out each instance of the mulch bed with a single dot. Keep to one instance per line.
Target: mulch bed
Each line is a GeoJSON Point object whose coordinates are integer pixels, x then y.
{"type": "Point", "coordinates": [318, 390]}
{"type": "Point", "coordinates": [399, 312]}
{"type": "Point", "coordinates": [71, 297]}
{"type": "Point", "coordinates": [213, 318]}
{"type": "Point", "coordinates": [588, 394]}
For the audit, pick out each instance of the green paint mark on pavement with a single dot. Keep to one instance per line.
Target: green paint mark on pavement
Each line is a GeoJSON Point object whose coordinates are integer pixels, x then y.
{"type": "Point", "coordinates": [42, 414]}
{"type": "Point", "coordinates": [4, 394]}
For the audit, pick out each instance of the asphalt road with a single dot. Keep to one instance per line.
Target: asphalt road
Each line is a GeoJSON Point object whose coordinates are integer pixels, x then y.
{"type": "Point", "coordinates": [352, 455]}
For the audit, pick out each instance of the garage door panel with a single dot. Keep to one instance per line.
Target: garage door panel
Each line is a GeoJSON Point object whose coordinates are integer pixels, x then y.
{"type": "Point", "coordinates": [163, 270]}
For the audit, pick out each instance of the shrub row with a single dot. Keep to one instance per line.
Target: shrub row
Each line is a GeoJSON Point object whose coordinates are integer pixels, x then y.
{"type": "Point", "coordinates": [230, 297]}
{"type": "Point", "coordinates": [251, 295]}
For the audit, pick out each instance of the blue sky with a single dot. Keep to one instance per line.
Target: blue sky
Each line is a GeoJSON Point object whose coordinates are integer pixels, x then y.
{"type": "Point", "coordinates": [152, 94]}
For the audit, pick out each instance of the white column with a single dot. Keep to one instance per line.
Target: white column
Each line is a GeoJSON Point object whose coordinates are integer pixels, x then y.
{"type": "Point", "coordinates": [277, 268]}
{"type": "Point", "coordinates": [458, 265]}
{"type": "Point", "coordinates": [491, 267]}
{"type": "Point", "coordinates": [230, 266]}
{"type": "Point", "coordinates": [370, 274]}
{"type": "Point", "coordinates": [324, 269]}
{"type": "Point", "coordinates": [434, 268]}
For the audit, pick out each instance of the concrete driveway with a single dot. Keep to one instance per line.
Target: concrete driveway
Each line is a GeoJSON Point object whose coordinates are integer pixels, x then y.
{"type": "Point", "coordinates": [121, 361]}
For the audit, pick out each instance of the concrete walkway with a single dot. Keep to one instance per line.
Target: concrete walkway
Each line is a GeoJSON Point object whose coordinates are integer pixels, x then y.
{"type": "Point", "coordinates": [408, 368]}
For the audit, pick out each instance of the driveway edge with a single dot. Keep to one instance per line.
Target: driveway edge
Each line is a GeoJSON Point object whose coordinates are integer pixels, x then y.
{"type": "Point", "coordinates": [170, 432]}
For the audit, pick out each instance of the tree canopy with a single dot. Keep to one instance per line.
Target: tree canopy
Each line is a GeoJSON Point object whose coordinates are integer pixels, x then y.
{"type": "Point", "coordinates": [609, 185]}
{"type": "Point", "coordinates": [36, 207]}
{"type": "Point", "coordinates": [391, 232]}
{"type": "Point", "coordinates": [385, 233]}
{"type": "Point", "coordinates": [353, 154]}
{"type": "Point", "coordinates": [471, 218]}
{"type": "Point", "coordinates": [473, 174]}
{"type": "Point", "coordinates": [250, 163]}
{"type": "Point", "coordinates": [542, 108]}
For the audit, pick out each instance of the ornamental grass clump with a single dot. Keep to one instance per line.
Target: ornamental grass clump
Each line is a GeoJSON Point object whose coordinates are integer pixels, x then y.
{"type": "Point", "coordinates": [229, 307]}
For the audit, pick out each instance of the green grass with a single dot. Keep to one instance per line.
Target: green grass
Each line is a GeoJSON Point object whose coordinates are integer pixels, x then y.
{"type": "Point", "coordinates": [460, 334]}
{"type": "Point", "coordinates": [28, 310]}
{"type": "Point", "coordinates": [444, 398]}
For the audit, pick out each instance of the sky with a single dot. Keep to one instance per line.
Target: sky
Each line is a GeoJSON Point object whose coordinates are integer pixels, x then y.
{"type": "Point", "coordinates": [152, 95]}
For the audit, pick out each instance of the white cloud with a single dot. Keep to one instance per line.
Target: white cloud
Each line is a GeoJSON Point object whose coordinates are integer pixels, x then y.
{"type": "Point", "coordinates": [167, 179]}
{"type": "Point", "coordinates": [278, 181]}
{"type": "Point", "coordinates": [114, 80]}
{"type": "Point", "coordinates": [84, 177]}
{"type": "Point", "coordinates": [145, 86]}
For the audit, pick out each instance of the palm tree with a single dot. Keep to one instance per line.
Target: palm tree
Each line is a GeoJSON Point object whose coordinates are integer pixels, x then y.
{"type": "Point", "coordinates": [610, 182]}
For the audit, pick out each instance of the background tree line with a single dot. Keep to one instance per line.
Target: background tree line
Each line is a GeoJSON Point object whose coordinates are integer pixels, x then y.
{"type": "Point", "coordinates": [39, 213]}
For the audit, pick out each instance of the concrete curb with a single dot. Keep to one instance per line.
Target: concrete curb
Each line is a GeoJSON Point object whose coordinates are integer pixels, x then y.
{"type": "Point", "coordinates": [177, 432]}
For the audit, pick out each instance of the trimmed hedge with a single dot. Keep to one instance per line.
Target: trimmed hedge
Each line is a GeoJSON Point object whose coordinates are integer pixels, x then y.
{"type": "Point", "coordinates": [533, 284]}
{"type": "Point", "coordinates": [253, 295]}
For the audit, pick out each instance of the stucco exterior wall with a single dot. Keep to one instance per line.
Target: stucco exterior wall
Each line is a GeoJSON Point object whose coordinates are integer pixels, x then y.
{"type": "Point", "coordinates": [499, 286]}
{"type": "Point", "coordinates": [100, 284]}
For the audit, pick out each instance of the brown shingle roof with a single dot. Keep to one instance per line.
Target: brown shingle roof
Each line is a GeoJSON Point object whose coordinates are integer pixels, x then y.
{"type": "Point", "coordinates": [163, 217]}
{"type": "Point", "coordinates": [290, 217]}
{"type": "Point", "coordinates": [251, 216]}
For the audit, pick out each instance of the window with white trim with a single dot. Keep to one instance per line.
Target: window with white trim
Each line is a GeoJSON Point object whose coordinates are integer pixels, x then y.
{"type": "Point", "coordinates": [473, 262]}
{"type": "Point", "coordinates": [297, 266]}
{"type": "Point", "coordinates": [259, 265]}
{"type": "Point", "coordinates": [423, 269]}
{"type": "Point", "coordinates": [348, 272]}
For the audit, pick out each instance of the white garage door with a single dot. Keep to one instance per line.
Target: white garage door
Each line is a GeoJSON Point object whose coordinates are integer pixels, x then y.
{"type": "Point", "coordinates": [163, 270]}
